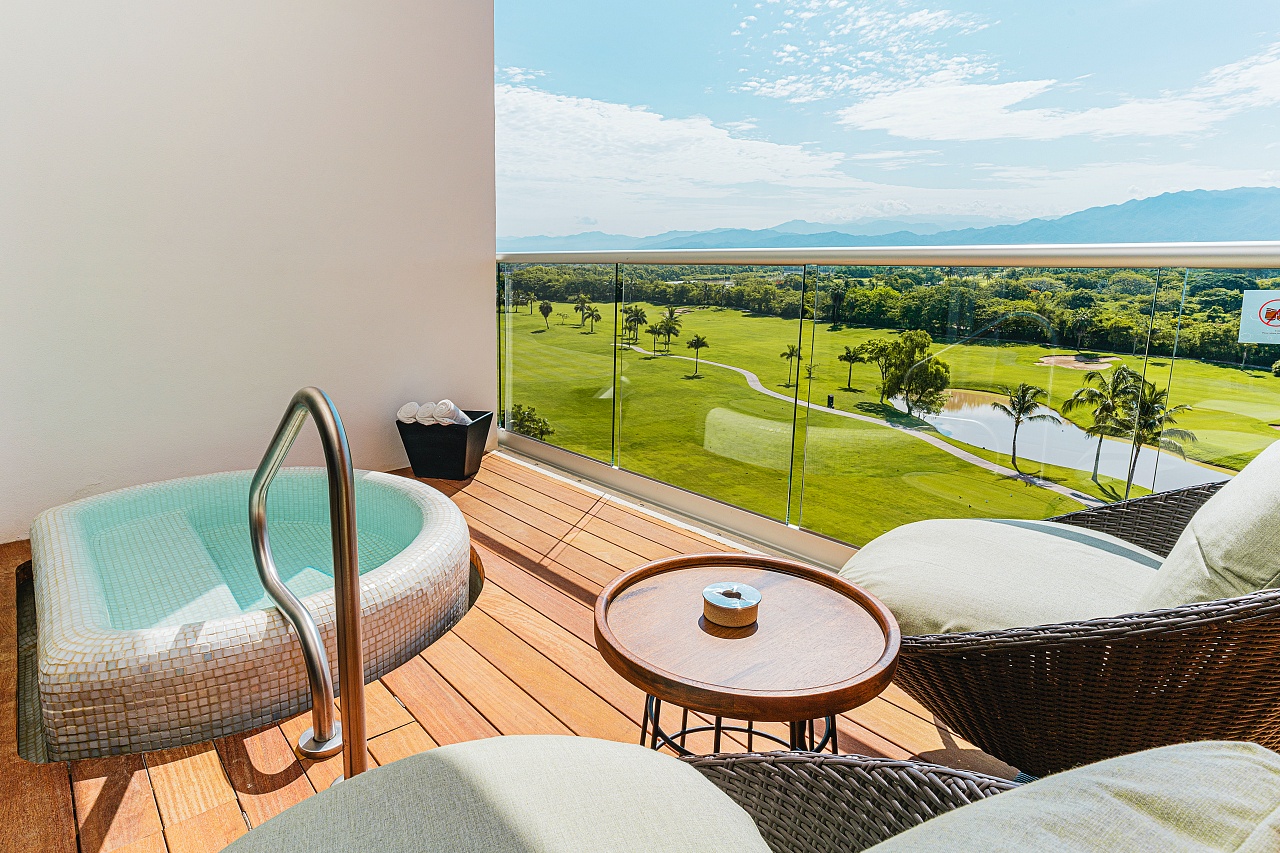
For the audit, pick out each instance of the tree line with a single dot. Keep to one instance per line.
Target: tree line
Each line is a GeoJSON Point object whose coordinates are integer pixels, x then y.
{"type": "Point", "coordinates": [1111, 310]}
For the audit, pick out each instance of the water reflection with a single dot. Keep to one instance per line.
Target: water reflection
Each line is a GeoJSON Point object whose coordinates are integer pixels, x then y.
{"type": "Point", "coordinates": [968, 417]}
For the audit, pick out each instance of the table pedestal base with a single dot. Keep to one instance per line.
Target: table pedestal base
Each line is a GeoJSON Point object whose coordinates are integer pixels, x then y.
{"type": "Point", "coordinates": [803, 736]}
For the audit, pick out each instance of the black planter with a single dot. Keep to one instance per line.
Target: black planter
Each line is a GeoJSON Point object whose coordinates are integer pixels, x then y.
{"type": "Point", "coordinates": [446, 452]}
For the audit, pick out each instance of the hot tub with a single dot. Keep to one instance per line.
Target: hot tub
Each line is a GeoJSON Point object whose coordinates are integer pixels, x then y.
{"type": "Point", "coordinates": [154, 630]}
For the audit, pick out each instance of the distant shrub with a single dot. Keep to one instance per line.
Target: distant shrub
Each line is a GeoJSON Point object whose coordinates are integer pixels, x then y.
{"type": "Point", "coordinates": [525, 420]}
{"type": "Point", "coordinates": [1275, 369]}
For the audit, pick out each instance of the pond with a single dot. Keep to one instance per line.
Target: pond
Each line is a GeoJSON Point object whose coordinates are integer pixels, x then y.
{"type": "Point", "coordinates": [969, 417]}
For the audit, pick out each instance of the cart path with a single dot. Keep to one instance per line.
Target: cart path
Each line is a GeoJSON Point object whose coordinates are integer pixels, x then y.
{"type": "Point", "coordinates": [971, 458]}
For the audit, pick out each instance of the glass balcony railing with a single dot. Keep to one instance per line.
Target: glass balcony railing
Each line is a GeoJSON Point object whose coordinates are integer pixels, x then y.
{"type": "Point", "coordinates": [850, 391]}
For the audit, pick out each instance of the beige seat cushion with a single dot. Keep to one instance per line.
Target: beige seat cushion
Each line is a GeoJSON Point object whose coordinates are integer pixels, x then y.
{"type": "Point", "coordinates": [517, 795]}
{"type": "Point", "coordinates": [1191, 798]}
{"type": "Point", "coordinates": [1232, 545]}
{"type": "Point", "coordinates": [951, 575]}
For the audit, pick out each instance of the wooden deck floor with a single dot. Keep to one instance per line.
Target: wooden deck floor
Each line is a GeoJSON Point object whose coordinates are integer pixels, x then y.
{"type": "Point", "coordinates": [522, 661]}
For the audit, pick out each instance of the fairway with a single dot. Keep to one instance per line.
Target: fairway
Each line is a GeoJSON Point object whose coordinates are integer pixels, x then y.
{"type": "Point", "coordinates": [714, 435]}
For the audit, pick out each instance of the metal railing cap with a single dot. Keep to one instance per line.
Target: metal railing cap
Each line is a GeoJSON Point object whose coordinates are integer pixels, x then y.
{"type": "Point", "coordinates": [1262, 254]}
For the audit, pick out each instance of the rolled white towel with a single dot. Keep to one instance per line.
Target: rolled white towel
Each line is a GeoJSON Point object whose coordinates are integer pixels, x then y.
{"type": "Point", "coordinates": [425, 414]}
{"type": "Point", "coordinates": [407, 413]}
{"type": "Point", "coordinates": [447, 412]}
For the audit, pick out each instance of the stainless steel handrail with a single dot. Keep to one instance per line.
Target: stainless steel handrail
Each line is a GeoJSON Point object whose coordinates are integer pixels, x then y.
{"type": "Point", "coordinates": [1230, 255]}
{"type": "Point", "coordinates": [325, 737]}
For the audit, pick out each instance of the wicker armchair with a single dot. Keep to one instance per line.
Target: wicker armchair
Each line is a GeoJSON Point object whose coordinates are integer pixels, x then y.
{"type": "Point", "coordinates": [1051, 697]}
{"type": "Point", "coordinates": [803, 802]}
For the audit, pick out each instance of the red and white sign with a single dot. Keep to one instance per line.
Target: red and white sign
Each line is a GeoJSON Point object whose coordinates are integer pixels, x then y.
{"type": "Point", "coordinates": [1269, 313]}
{"type": "Point", "coordinates": [1260, 317]}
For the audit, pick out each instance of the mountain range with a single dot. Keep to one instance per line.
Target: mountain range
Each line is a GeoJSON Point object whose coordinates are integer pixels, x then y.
{"type": "Point", "coordinates": [1245, 213]}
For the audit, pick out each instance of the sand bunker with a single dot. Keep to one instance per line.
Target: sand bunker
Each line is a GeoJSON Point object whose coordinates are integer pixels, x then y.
{"type": "Point", "coordinates": [1077, 362]}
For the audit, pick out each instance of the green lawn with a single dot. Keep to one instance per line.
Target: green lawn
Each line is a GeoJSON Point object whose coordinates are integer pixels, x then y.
{"type": "Point", "coordinates": [715, 435]}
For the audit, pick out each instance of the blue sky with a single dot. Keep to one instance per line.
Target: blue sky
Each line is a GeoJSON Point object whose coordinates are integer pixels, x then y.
{"type": "Point", "coordinates": [638, 118]}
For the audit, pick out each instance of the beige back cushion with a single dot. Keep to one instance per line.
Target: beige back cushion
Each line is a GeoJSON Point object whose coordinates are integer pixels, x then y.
{"type": "Point", "coordinates": [1232, 545]}
{"type": "Point", "coordinates": [1208, 797]}
{"type": "Point", "coordinates": [950, 575]}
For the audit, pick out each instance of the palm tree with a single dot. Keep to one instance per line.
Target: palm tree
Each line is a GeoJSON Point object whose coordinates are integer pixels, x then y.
{"type": "Point", "coordinates": [1108, 402]}
{"type": "Point", "coordinates": [531, 298]}
{"type": "Point", "coordinates": [545, 308]}
{"type": "Point", "coordinates": [792, 354]}
{"type": "Point", "coordinates": [580, 303]}
{"type": "Point", "coordinates": [1153, 422]}
{"type": "Point", "coordinates": [591, 313]}
{"type": "Point", "coordinates": [563, 316]}
{"type": "Point", "coordinates": [654, 331]}
{"type": "Point", "coordinates": [1082, 320]}
{"type": "Point", "coordinates": [670, 328]}
{"type": "Point", "coordinates": [670, 324]}
{"type": "Point", "coordinates": [635, 318]}
{"type": "Point", "coordinates": [1024, 406]}
{"type": "Point", "coordinates": [851, 356]}
{"type": "Point", "coordinates": [697, 343]}
{"type": "Point", "coordinates": [837, 297]}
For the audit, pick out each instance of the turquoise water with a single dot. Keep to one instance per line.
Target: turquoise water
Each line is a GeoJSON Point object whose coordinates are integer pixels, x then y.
{"type": "Point", "coordinates": [179, 552]}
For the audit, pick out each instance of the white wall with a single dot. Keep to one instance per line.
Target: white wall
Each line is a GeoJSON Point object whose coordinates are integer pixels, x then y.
{"type": "Point", "coordinates": [205, 206]}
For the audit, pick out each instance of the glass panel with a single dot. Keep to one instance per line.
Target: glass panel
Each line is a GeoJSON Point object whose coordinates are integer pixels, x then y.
{"type": "Point", "coordinates": [850, 400]}
{"type": "Point", "coordinates": [556, 324]}
{"type": "Point", "coordinates": [716, 419]}
{"type": "Point", "coordinates": [1223, 401]}
{"type": "Point", "coordinates": [921, 423]}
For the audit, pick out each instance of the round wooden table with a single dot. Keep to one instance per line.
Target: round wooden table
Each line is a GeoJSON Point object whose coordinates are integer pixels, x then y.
{"type": "Point", "coordinates": [820, 646]}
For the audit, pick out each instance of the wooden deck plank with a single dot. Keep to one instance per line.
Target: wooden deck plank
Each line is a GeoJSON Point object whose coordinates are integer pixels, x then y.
{"type": "Point", "coordinates": [400, 743]}
{"type": "Point", "coordinates": [571, 652]}
{"type": "Point", "coordinates": [924, 739]}
{"type": "Point", "coordinates": [266, 775]}
{"type": "Point", "coordinates": [151, 844]}
{"type": "Point", "coordinates": [528, 535]}
{"type": "Point", "coordinates": [435, 705]}
{"type": "Point", "coordinates": [677, 538]}
{"type": "Point", "coordinates": [207, 832]}
{"type": "Point", "coordinates": [531, 514]}
{"type": "Point", "coordinates": [381, 710]}
{"type": "Point", "coordinates": [541, 499]}
{"type": "Point", "coordinates": [895, 694]}
{"type": "Point", "coordinates": [621, 559]}
{"type": "Point", "coordinates": [565, 610]}
{"type": "Point", "coordinates": [854, 738]}
{"type": "Point", "coordinates": [572, 703]}
{"type": "Point", "coordinates": [532, 564]}
{"type": "Point", "coordinates": [489, 691]}
{"type": "Point", "coordinates": [114, 804]}
{"type": "Point", "coordinates": [636, 543]}
{"type": "Point", "coordinates": [595, 572]}
{"type": "Point", "coordinates": [576, 572]}
{"type": "Point", "coordinates": [555, 487]}
{"type": "Point", "coordinates": [187, 781]}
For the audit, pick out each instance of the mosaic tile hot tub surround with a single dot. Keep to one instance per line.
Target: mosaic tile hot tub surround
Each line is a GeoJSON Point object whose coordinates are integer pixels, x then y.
{"type": "Point", "coordinates": [154, 630]}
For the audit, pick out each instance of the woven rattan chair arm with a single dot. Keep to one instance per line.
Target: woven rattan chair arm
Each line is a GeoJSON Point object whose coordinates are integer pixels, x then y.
{"type": "Point", "coordinates": [1154, 522]}
{"type": "Point", "coordinates": [1111, 630]}
{"type": "Point", "coordinates": [811, 803]}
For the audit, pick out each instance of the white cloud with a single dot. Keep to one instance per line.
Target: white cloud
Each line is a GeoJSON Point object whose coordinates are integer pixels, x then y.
{"type": "Point", "coordinates": [862, 48]}
{"type": "Point", "coordinates": [565, 164]}
{"type": "Point", "coordinates": [553, 138]}
{"type": "Point", "coordinates": [514, 74]}
{"type": "Point", "coordinates": [961, 111]}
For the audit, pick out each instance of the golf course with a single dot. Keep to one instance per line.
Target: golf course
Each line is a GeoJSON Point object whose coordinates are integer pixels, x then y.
{"type": "Point", "coordinates": [851, 476]}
